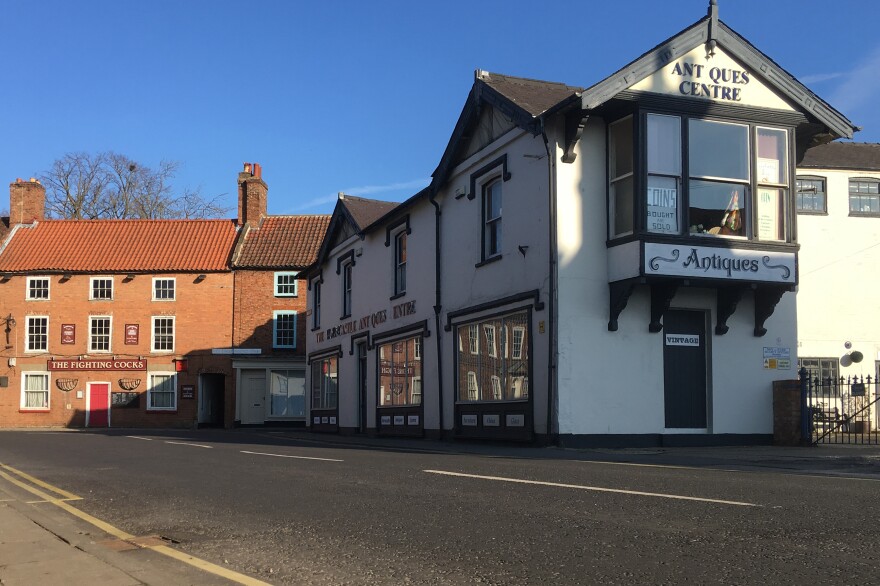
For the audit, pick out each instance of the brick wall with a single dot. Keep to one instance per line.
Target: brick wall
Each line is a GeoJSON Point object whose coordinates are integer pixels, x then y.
{"type": "Point", "coordinates": [27, 201]}
{"type": "Point", "coordinates": [787, 413]}
{"type": "Point", "coordinates": [255, 302]}
{"type": "Point", "coordinates": [203, 317]}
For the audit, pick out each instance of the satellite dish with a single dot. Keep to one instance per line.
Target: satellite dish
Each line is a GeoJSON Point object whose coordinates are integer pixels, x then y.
{"type": "Point", "coordinates": [856, 356]}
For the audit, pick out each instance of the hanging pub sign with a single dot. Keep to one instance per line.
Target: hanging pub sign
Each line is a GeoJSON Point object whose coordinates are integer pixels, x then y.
{"type": "Point", "coordinates": [68, 333]}
{"type": "Point", "coordinates": [131, 334]}
{"type": "Point", "coordinates": [109, 364]}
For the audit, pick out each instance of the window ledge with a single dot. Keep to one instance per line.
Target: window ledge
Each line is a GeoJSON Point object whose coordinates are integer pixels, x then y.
{"type": "Point", "coordinates": [398, 296]}
{"type": "Point", "coordinates": [346, 316]}
{"type": "Point", "coordinates": [154, 411]}
{"type": "Point", "coordinates": [864, 215]}
{"type": "Point", "coordinates": [316, 329]}
{"type": "Point", "coordinates": [489, 260]}
{"type": "Point", "coordinates": [46, 410]}
{"type": "Point", "coordinates": [812, 213]}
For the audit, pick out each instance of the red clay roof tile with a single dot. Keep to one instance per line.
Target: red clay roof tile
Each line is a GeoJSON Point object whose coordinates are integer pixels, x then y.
{"type": "Point", "coordinates": [89, 246]}
{"type": "Point", "coordinates": [283, 241]}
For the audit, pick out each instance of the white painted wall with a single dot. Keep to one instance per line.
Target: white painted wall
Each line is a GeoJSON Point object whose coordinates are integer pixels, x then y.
{"type": "Point", "coordinates": [612, 382]}
{"type": "Point", "coordinates": [839, 258]}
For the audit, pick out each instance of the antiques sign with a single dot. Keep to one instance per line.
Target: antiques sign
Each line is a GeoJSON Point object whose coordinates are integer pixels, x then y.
{"type": "Point", "coordinates": [366, 322]}
{"type": "Point", "coordinates": [96, 364]}
{"type": "Point", "coordinates": [718, 263]}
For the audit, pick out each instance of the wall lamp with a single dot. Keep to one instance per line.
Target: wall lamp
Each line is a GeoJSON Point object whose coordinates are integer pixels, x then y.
{"type": "Point", "coordinates": [200, 278]}
{"type": "Point", "coordinates": [10, 323]}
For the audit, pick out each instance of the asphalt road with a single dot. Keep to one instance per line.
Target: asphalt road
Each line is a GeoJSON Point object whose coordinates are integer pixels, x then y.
{"type": "Point", "coordinates": [295, 510]}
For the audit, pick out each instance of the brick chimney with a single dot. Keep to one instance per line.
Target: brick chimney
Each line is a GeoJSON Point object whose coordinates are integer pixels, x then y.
{"type": "Point", "coordinates": [27, 201]}
{"type": "Point", "coordinates": [252, 195]}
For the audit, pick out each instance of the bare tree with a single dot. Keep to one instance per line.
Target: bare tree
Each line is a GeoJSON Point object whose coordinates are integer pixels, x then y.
{"type": "Point", "coordinates": [111, 185]}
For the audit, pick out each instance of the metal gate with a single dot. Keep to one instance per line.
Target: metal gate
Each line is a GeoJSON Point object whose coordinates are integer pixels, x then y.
{"type": "Point", "coordinates": [840, 411]}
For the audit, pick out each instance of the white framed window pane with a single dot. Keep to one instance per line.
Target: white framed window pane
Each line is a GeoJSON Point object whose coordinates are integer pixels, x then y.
{"type": "Point", "coordinates": [717, 209]}
{"type": "Point", "coordinates": [162, 392]}
{"type": "Point", "coordinates": [37, 333]}
{"type": "Point", "coordinates": [36, 391]}
{"type": "Point", "coordinates": [662, 202]}
{"type": "Point", "coordinates": [718, 149]}
{"type": "Point", "coordinates": [286, 284]}
{"type": "Point", "coordinates": [621, 152]}
{"type": "Point", "coordinates": [287, 390]}
{"type": "Point", "coordinates": [163, 333]}
{"type": "Point", "coordinates": [664, 144]}
{"type": "Point", "coordinates": [810, 195]}
{"type": "Point", "coordinates": [772, 155]}
{"type": "Point", "coordinates": [38, 288]}
{"type": "Point", "coordinates": [102, 288]}
{"type": "Point", "coordinates": [285, 329]}
{"type": "Point", "coordinates": [163, 289]}
{"type": "Point", "coordinates": [771, 211]}
{"type": "Point", "coordinates": [99, 334]}
{"type": "Point", "coordinates": [622, 207]}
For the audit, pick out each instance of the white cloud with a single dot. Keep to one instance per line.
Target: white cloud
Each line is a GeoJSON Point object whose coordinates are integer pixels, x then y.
{"type": "Point", "coordinates": [820, 77]}
{"type": "Point", "coordinates": [859, 86]}
{"type": "Point", "coordinates": [369, 190]}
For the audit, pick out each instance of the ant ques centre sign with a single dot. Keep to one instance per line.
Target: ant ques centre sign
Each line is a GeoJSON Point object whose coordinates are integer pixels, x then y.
{"type": "Point", "coordinates": [366, 322]}
{"type": "Point", "coordinates": [717, 78]}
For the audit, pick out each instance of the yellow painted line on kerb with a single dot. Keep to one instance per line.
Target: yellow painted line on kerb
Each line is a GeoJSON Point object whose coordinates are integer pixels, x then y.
{"type": "Point", "coordinates": [118, 533]}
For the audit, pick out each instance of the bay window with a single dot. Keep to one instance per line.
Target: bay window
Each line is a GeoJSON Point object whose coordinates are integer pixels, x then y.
{"type": "Point", "coordinates": [699, 177]}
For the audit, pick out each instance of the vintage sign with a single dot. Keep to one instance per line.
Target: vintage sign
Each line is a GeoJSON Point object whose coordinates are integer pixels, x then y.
{"type": "Point", "coordinates": [491, 420]}
{"type": "Point", "coordinates": [469, 420]}
{"type": "Point", "coordinates": [718, 263]}
{"type": "Point", "coordinates": [109, 364]}
{"type": "Point", "coordinates": [516, 420]}
{"type": "Point", "coordinates": [683, 340]}
{"type": "Point", "coordinates": [663, 209]}
{"type": "Point", "coordinates": [399, 420]}
{"type": "Point", "coordinates": [131, 334]}
{"type": "Point", "coordinates": [68, 333]}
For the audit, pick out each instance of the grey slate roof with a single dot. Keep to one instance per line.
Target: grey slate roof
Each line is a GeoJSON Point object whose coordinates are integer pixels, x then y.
{"type": "Point", "coordinates": [365, 211]}
{"type": "Point", "coordinates": [843, 155]}
{"type": "Point", "coordinates": [532, 95]}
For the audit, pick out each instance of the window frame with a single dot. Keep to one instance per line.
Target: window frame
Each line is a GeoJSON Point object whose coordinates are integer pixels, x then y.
{"type": "Point", "coordinates": [400, 262]}
{"type": "Point", "coordinates": [750, 187]}
{"type": "Point", "coordinates": [30, 289]}
{"type": "Point", "coordinates": [153, 320]}
{"type": "Point", "coordinates": [475, 371]}
{"type": "Point", "coordinates": [93, 290]}
{"type": "Point", "coordinates": [29, 338]}
{"type": "Point", "coordinates": [618, 179]}
{"type": "Point", "coordinates": [48, 391]}
{"type": "Point", "coordinates": [863, 179]}
{"type": "Point", "coordinates": [155, 289]}
{"type": "Point", "coordinates": [316, 304]}
{"type": "Point", "coordinates": [278, 276]}
{"type": "Point", "coordinates": [490, 223]}
{"type": "Point", "coordinates": [833, 365]}
{"type": "Point", "coordinates": [324, 390]}
{"type": "Point", "coordinates": [797, 191]}
{"type": "Point", "coordinates": [275, 329]}
{"type": "Point", "coordinates": [347, 278]}
{"type": "Point", "coordinates": [402, 356]}
{"type": "Point", "coordinates": [92, 319]}
{"type": "Point", "coordinates": [151, 393]}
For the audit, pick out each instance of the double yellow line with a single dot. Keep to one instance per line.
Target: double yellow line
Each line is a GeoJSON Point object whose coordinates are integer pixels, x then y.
{"type": "Point", "coordinates": [31, 484]}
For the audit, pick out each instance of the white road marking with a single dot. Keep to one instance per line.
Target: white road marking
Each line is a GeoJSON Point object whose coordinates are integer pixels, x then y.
{"type": "Point", "coordinates": [146, 439]}
{"type": "Point", "coordinates": [594, 488]}
{"type": "Point", "coordinates": [188, 444]}
{"type": "Point", "coordinates": [289, 456]}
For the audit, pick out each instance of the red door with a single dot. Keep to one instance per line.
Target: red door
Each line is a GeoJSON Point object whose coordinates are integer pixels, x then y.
{"type": "Point", "coordinates": [98, 414]}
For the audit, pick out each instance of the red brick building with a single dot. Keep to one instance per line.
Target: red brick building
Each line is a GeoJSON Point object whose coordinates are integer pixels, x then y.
{"type": "Point", "coordinates": [136, 323]}
{"type": "Point", "coordinates": [269, 307]}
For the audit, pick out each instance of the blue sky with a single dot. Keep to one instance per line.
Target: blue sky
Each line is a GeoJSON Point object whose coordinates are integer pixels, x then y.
{"type": "Point", "coordinates": [356, 96]}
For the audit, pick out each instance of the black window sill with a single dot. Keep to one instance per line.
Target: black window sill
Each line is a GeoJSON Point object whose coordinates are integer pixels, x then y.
{"type": "Point", "coordinates": [489, 260]}
{"type": "Point", "coordinates": [398, 296]}
{"type": "Point", "coordinates": [864, 214]}
{"type": "Point", "coordinates": [346, 316]}
{"type": "Point", "coordinates": [812, 212]}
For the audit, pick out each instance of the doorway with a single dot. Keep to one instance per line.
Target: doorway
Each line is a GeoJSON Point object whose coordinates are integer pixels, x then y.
{"type": "Point", "coordinates": [253, 397]}
{"type": "Point", "coordinates": [98, 405]}
{"type": "Point", "coordinates": [684, 369]}
{"type": "Point", "coordinates": [212, 403]}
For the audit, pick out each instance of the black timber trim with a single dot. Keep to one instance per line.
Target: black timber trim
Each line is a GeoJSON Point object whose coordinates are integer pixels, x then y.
{"type": "Point", "coordinates": [355, 338]}
{"type": "Point", "coordinates": [648, 101]}
{"type": "Point", "coordinates": [416, 328]}
{"type": "Point", "coordinates": [534, 296]}
{"type": "Point", "coordinates": [485, 170]}
{"type": "Point", "coordinates": [345, 259]}
{"type": "Point", "coordinates": [315, 278]}
{"type": "Point", "coordinates": [661, 298]}
{"type": "Point", "coordinates": [575, 122]}
{"type": "Point", "coordinates": [394, 226]}
{"type": "Point", "coordinates": [618, 296]}
{"type": "Point", "coordinates": [726, 299]}
{"type": "Point", "coordinates": [324, 353]}
{"type": "Point", "coordinates": [697, 34]}
{"type": "Point", "coordinates": [766, 299]}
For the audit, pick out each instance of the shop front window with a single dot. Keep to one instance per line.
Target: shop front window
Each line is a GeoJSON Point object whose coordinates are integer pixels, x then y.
{"type": "Point", "coordinates": [287, 390]}
{"type": "Point", "coordinates": [494, 372]}
{"type": "Point", "coordinates": [400, 373]}
{"type": "Point", "coordinates": [325, 383]}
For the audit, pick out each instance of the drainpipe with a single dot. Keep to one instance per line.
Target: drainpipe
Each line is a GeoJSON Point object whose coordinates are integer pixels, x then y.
{"type": "Point", "coordinates": [437, 307]}
{"type": "Point", "coordinates": [551, 298]}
